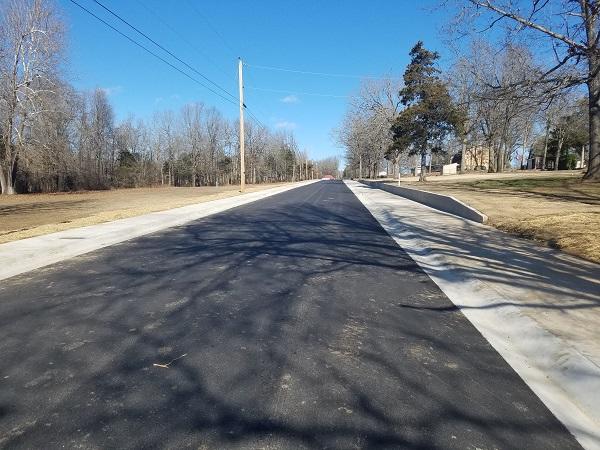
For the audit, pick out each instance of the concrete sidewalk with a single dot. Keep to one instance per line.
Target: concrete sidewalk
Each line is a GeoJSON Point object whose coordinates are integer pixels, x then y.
{"type": "Point", "coordinates": [28, 254]}
{"type": "Point", "coordinates": [538, 307]}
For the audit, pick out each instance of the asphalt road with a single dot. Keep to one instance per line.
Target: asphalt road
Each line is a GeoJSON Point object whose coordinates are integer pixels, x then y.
{"type": "Point", "coordinates": [302, 323]}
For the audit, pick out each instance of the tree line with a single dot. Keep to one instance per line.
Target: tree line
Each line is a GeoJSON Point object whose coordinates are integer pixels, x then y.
{"type": "Point", "coordinates": [501, 104]}
{"type": "Point", "coordinates": [55, 138]}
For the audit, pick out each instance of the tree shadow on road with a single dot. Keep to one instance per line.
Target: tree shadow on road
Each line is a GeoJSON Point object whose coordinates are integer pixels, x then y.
{"type": "Point", "coordinates": [288, 314]}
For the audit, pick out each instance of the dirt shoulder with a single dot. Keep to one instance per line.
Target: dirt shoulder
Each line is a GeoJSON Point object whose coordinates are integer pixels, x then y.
{"type": "Point", "coordinates": [23, 216]}
{"type": "Point", "coordinates": [557, 209]}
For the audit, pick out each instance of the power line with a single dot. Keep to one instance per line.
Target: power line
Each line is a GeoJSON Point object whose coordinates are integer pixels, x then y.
{"type": "Point", "coordinates": [255, 118]}
{"type": "Point", "coordinates": [324, 74]}
{"type": "Point", "coordinates": [215, 31]}
{"type": "Point", "coordinates": [252, 115]}
{"type": "Point", "coordinates": [295, 92]}
{"type": "Point", "coordinates": [164, 49]}
{"type": "Point", "coordinates": [147, 50]}
{"type": "Point", "coordinates": [183, 38]}
{"type": "Point", "coordinates": [151, 52]}
{"type": "Point", "coordinates": [249, 77]}
{"type": "Point", "coordinates": [229, 47]}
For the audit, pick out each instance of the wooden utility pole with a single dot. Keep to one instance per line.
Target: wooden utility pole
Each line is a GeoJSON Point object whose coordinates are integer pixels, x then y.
{"type": "Point", "coordinates": [242, 153]}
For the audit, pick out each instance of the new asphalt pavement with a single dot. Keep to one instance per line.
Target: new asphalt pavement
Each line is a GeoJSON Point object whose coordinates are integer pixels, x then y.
{"type": "Point", "coordinates": [291, 322]}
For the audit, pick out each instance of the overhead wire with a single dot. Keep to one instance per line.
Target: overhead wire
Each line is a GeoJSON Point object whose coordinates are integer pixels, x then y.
{"type": "Point", "coordinates": [152, 53]}
{"type": "Point", "coordinates": [232, 98]}
{"type": "Point", "coordinates": [250, 113]}
{"type": "Point", "coordinates": [256, 119]}
{"type": "Point", "coordinates": [248, 76]}
{"type": "Point", "coordinates": [230, 49]}
{"type": "Point", "coordinates": [214, 30]}
{"type": "Point", "coordinates": [183, 38]}
{"type": "Point", "coordinates": [164, 49]}
{"type": "Point", "coordinates": [325, 74]}
{"type": "Point", "coordinates": [316, 94]}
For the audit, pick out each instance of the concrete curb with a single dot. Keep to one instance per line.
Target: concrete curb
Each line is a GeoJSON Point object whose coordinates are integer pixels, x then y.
{"type": "Point", "coordinates": [441, 202]}
{"type": "Point", "coordinates": [28, 254]}
{"type": "Point", "coordinates": [566, 381]}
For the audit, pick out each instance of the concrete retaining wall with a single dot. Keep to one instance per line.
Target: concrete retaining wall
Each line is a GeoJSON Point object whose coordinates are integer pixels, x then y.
{"type": "Point", "coordinates": [444, 203]}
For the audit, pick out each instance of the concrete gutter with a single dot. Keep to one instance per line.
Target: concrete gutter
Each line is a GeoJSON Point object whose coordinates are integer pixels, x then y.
{"type": "Point", "coordinates": [441, 202]}
{"type": "Point", "coordinates": [28, 254]}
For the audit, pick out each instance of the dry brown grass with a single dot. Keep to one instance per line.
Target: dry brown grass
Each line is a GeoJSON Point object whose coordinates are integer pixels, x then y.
{"type": "Point", "coordinates": [23, 216]}
{"type": "Point", "coordinates": [559, 210]}
{"type": "Point", "coordinates": [575, 233]}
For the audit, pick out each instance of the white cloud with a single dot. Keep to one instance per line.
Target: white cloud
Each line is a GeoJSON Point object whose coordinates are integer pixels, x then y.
{"type": "Point", "coordinates": [284, 124]}
{"type": "Point", "coordinates": [290, 99]}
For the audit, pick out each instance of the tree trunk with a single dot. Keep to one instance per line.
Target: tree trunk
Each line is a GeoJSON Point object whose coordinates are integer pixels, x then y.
{"type": "Point", "coordinates": [561, 140]}
{"type": "Point", "coordinates": [499, 158]}
{"type": "Point", "coordinates": [360, 167]}
{"type": "Point", "coordinates": [422, 176]}
{"type": "Point", "coordinates": [525, 142]}
{"type": "Point", "coordinates": [545, 146]}
{"type": "Point", "coordinates": [593, 170]}
{"type": "Point", "coordinates": [7, 179]}
{"type": "Point", "coordinates": [3, 182]}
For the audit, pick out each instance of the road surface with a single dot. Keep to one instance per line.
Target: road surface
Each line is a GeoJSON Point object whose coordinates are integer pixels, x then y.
{"type": "Point", "coordinates": [292, 322]}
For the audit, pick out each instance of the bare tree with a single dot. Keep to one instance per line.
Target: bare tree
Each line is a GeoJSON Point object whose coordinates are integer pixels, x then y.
{"type": "Point", "coordinates": [101, 128]}
{"type": "Point", "coordinates": [192, 123]}
{"type": "Point", "coordinates": [499, 101]}
{"type": "Point", "coordinates": [572, 28]}
{"type": "Point", "coordinates": [31, 36]}
{"type": "Point", "coordinates": [55, 138]}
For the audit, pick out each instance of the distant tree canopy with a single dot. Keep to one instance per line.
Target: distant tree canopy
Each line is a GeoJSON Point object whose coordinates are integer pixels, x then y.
{"type": "Point", "coordinates": [569, 30]}
{"type": "Point", "coordinates": [54, 138]}
{"type": "Point", "coordinates": [487, 111]}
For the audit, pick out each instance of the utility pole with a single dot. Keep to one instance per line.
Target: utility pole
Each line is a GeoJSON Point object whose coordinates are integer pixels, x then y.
{"type": "Point", "coordinates": [242, 153]}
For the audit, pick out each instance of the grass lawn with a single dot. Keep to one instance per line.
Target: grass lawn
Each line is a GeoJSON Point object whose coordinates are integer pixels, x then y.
{"type": "Point", "coordinates": [559, 210]}
{"type": "Point", "coordinates": [28, 215]}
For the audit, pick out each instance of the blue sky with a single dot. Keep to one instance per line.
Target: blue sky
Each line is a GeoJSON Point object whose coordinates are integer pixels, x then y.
{"type": "Point", "coordinates": [344, 37]}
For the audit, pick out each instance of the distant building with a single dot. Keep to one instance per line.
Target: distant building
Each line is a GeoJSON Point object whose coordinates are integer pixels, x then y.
{"type": "Point", "coordinates": [475, 158]}
{"type": "Point", "coordinates": [450, 169]}
{"type": "Point", "coordinates": [570, 159]}
{"type": "Point", "coordinates": [535, 163]}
